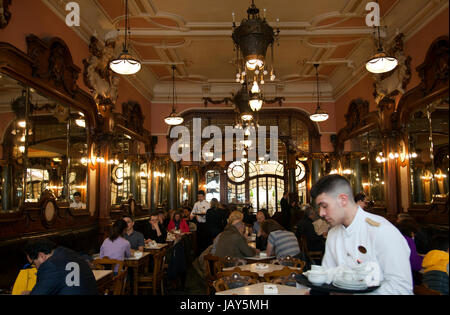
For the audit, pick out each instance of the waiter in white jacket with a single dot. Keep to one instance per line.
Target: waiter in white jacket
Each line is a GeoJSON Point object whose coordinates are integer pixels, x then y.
{"type": "Point", "coordinates": [357, 237]}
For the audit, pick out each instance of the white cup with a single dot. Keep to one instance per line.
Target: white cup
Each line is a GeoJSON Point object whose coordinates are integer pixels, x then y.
{"type": "Point", "coordinates": [317, 278]}
{"type": "Point", "coordinates": [316, 268]}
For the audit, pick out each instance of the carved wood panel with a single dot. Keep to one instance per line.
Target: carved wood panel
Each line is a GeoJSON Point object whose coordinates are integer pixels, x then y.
{"type": "Point", "coordinates": [5, 14]}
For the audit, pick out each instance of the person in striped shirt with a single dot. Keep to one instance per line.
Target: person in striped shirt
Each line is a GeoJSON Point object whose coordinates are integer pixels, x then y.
{"type": "Point", "coordinates": [280, 242]}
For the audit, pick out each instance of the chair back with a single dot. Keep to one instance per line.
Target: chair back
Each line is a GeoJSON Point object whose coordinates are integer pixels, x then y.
{"type": "Point", "coordinates": [210, 263]}
{"type": "Point", "coordinates": [106, 263]}
{"type": "Point", "coordinates": [290, 261]}
{"type": "Point", "coordinates": [228, 261]}
{"type": "Point", "coordinates": [285, 276]}
{"type": "Point", "coordinates": [233, 281]}
{"type": "Point", "coordinates": [303, 244]}
{"type": "Point", "coordinates": [159, 260]}
{"type": "Point", "coordinates": [120, 282]}
{"type": "Point", "coordinates": [239, 271]}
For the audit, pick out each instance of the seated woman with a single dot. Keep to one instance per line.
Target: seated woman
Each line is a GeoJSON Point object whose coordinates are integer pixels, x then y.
{"type": "Point", "coordinates": [178, 223]}
{"type": "Point", "coordinates": [279, 241]}
{"type": "Point", "coordinates": [116, 246]}
{"type": "Point", "coordinates": [232, 242]}
{"type": "Point", "coordinates": [261, 241]}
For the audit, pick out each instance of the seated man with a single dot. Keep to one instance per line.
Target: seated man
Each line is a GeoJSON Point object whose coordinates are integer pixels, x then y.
{"type": "Point", "coordinates": [154, 230]}
{"type": "Point", "coordinates": [77, 204]}
{"type": "Point", "coordinates": [361, 200]}
{"type": "Point", "coordinates": [61, 271]}
{"type": "Point", "coordinates": [315, 243]}
{"type": "Point", "coordinates": [232, 242]}
{"type": "Point", "coordinates": [135, 238]}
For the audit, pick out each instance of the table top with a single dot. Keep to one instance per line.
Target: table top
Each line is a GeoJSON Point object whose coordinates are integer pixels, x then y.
{"type": "Point", "coordinates": [100, 274]}
{"type": "Point", "coordinates": [144, 255]}
{"type": "Point", "coordinates": [257, 257]}
{"type": "Point", "coordinates": [260, 272]}
{"type": "Point", "coordinates": [132, 258]}
{"type": "Point", "coordinates": [158, 246]}
{"type": "Point", "coordinates": [258, 289]}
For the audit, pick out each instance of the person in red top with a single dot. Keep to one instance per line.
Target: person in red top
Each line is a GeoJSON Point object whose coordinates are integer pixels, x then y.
{"type": "Point", "coordinates": [178, 223]}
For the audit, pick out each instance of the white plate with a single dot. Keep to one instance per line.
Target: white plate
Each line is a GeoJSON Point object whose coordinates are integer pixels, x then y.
{"type": "Point", "coordinates": [349, 286]}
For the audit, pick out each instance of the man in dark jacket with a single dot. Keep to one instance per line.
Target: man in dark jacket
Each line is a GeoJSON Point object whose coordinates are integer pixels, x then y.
{"type": "Point", "coordinates": [216, 220]}
{"type": "Point", "coordinates": [61, 271]}
{"type": "Point", "coordinates": [285, 211]}
{"type": "Point", "coordinates": [305, 227]}
{"type": "Point", "coordinates": [232, 242]}
{"type": "Point", "coordinates": [154, 230]}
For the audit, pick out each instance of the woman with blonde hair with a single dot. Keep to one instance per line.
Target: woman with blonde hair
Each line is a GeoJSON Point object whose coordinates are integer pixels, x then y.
{"type": "Point", "coordinates": [235, 217]}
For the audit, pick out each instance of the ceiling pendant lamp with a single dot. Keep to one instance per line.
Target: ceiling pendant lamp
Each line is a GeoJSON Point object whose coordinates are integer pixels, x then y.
{"type": "Point", "coordinates": [320, 115]}
{"type": "Point", "coordinates": [125, 64]}
{"type": "Point", "coordinates": [381, 62]}
{"type": "Point", "coordinates": [173, 119]}
{"type": "Point", "coordinates": [251, 39]}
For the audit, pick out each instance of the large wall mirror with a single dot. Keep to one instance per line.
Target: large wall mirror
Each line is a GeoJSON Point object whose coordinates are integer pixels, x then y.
{"type": "Point", "coordinates": [12, 128]}
{"type": "Point", "coordinates": [429, 152]}
{"type": "Point", "coordinates": [363, 165]}
{"type": "Point", "coordinates": [129, 170]}
{"type": "Point", "coordinates": [44, 148]}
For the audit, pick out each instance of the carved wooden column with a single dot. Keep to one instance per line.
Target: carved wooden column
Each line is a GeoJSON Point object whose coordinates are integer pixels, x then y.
{"type": "Point", "coordinates": [173, 192]}
{"type": "Point", "coordinates": [104, 195]}
{"type": "Point", "coordinates": [292, 187]}
{"type": "Point", "coordinates": [194, 186]}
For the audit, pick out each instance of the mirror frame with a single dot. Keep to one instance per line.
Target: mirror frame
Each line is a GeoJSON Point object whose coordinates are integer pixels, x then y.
{"type": "Point", "coordinates": [48, 67]}
{"type": "Point", "coordinates": [434, 85]}
{"type": "Point", "coordinates": [130, 122]}
{"type": "Point", "coordinates": [359, 121]}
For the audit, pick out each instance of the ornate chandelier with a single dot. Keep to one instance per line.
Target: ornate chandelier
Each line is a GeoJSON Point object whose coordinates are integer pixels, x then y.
{"type": "Point", "coordinates": [125, 64]}
{"type": "Point", "coordinates": [251, 39]}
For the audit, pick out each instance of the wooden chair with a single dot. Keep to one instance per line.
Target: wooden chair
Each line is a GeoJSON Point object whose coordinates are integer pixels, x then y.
{"type": "Point", "coordinates": [210, 262]}
{"type": "Point", "coordinates": [423, 289]}
{"type": "Point", "coordinates": [315, 256]}
{"type": "Point", "coordinates": [285, 276]}
{"type": "Point", "coordinates": [153, 279]}
{"type": "Point", "coordinates": [239, 271]}
{"type": "Point", "coordinates": [228, 262]}
{"type": "Point", "coordinates": [119, 280]}
{"type": "Point", "coordinates": [290, 261]}
{"type": "Point", "coordinates": [233, 281]}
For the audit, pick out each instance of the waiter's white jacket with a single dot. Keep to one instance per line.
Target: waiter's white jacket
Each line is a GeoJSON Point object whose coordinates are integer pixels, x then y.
{"type": "Point", "coordinates": [382, 242]}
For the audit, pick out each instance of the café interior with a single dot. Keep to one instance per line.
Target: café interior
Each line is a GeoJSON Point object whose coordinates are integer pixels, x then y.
{"type": "Point", "coordinates": [91, 93]}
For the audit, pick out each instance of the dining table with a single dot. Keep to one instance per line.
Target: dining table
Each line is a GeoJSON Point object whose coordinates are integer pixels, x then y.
{"type": "Point", "coordinates": [260, 271]}
{"type": "Point", "coordinates": [104, 279]}
{"type": "Point", "coordinates": [258, 289]}
{"type": "Point", "coordinates": [138, 264]}
{"type": "Point", "coordinates": [153, 249]}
